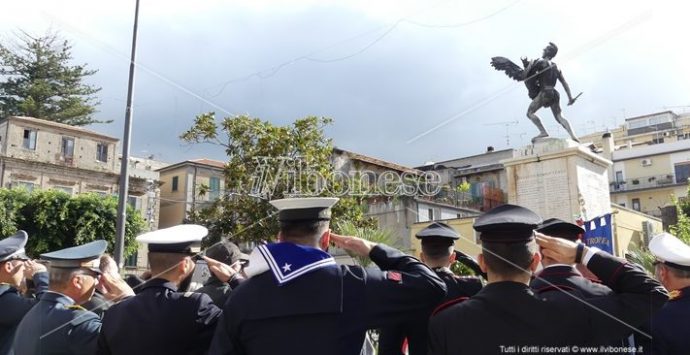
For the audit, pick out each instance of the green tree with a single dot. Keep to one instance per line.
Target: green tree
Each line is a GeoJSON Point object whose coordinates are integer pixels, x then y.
{"type": "Point", "coordinates": [369, 233]}
{"type": "Point", "coordinates": [682, 227]}
{"type": "Point", "coordinates": [39, 81]}
{"type": "Point", "coordinates": [55, 220]}
{"type": "Point", "coordinates": [267, 162]}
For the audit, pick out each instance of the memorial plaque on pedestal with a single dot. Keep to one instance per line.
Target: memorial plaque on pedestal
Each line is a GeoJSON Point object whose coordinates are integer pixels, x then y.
{"type": "Point", "coordinates": [559, 178]}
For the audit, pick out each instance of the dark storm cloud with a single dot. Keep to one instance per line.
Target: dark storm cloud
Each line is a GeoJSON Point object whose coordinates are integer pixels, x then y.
{"type": "Point", "coordinates": [397, 98]}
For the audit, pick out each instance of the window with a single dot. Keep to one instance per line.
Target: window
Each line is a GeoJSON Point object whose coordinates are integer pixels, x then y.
{"type": "Point", "coordinates": [657, 140]}
{"type": "Point", "coordinates": [29, 139]}
{"type": "Point", "coordinates": [131, 261]}
{"type": "Point", "coordinates": [175, 180]}
{"type": "Point", "coordinates": [133, 202]}
{"type": "Point", "coordinates": [102, 152]}
{"type": "Point", "coordinates": [214, 188]}
{"type": "Point", "coordinates": [431, 214]}
{"type": "Point", "coordinates": [637, 123]}
{"type": "Point", "coordinates": [29, 186]}
{"type": "Point", "coordinates": [619, 176]}
{"type": "Point", "coordinates": [682, 172]}
{"type": "Point", "coordinates": [636, 204]}
{"type": "Point", "coordinates": [68, 190]}
{"type": "Point", "coordinates": [67, 147]}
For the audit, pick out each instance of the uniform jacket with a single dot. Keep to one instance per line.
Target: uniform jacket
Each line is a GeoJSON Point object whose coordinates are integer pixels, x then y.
{"type": "Point", "coordinates": [505, 314]}
{"type": "Point", "coordinates": [13, 307]}
{"type": "Point", "coordinates": [97, 304]}
{"type": "Point", "coordinates": [553, 280]}
{"type": "Point", "coordinates": [56, 326]}
{"type": "Point", "coordinates": [415, 328]}
{"type": "Point", "coordinates": [326, 311]}
{"type": "Point", "coordinates": [567, 278]}
{"type": "Point", "coordinates": [671, 327]}
{"type": "Point", "coordinates": [159, 320]}
{"type": "Point", "coordinates": [219, 291]}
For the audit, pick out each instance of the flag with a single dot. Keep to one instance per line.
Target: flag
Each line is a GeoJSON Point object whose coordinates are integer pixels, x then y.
{"type": "Point", "coordinates": [599, 233]}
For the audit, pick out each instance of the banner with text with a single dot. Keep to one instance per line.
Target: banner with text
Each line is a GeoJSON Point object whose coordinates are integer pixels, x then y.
{"type": "Point", "coordinates": [598, 233]}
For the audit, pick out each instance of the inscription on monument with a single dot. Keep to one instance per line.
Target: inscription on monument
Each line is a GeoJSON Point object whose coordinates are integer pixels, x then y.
{"type": "Point", "coordinates": [544, 188]}
{"type": "Point", "coordinates": [592, 182]}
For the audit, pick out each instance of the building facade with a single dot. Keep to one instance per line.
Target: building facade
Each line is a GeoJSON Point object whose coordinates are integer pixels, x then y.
{"type": "Point", "coordinates": [40, 154]}
{"type": "Point", "coordinates": [187, 186]}
{"type": "Point", "coordinates": [651, 161]}
{"type": "Point", "coordinates": [478, 182]}
{"type": "Point", "coordinates": [397, 211]}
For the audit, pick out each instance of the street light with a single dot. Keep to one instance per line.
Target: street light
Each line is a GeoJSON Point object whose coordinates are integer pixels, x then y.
{"type": "Point", "coordinates": [124, 164]}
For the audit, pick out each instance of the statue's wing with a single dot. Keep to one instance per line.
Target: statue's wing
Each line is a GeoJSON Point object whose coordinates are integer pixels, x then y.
{"type": "Point", "coordinates": [511, 69]}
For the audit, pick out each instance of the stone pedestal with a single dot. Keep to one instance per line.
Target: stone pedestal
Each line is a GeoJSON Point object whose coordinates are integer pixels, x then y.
{"type": "Point", "coordinates": [559, 178]}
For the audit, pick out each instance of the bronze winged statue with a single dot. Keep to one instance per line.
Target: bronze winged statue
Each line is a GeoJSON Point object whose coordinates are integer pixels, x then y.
{"type": "Point", "coordinates": [540, 76]}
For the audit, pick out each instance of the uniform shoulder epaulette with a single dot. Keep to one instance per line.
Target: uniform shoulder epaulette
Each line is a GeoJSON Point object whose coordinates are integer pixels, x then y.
{"type": "Point", "coordinates": [447, 304]}
{"type": "Point", "coordinates": [187, 294]}
{"type": "Point", "coordinates": [674, 295]}
{"type": "Point", "coordinates": [76, 307]}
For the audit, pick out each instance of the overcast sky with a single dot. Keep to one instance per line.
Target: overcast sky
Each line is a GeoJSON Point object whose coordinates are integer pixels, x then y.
{"type": "Point", "coordinates": [407, 81]}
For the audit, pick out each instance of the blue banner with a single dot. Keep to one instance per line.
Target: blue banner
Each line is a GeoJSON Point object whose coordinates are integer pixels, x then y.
{"type": "Point", "coordinates": [598, 233]}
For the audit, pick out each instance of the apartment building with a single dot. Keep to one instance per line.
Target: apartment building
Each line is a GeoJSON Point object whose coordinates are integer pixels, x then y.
{"type": "Point", "coordinates": [651, 161]}
{"type": "Point", "coordinates": [41, 154]}
{"type": "Point", "coordinates": [181, 191]}
{"type": "Point", "coordinates": [397, 212]}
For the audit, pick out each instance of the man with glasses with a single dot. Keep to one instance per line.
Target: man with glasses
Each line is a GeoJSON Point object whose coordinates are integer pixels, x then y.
{"type": "Point", "coordinates": [58, 324]}
{"type": "Point", "coordinates": [670, 331]}
{"type": "Point", "coordinates": [15, 268]}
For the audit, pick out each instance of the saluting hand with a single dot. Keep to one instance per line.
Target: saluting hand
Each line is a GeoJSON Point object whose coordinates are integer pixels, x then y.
{"type": "Point", "coordinates": [358, 246]}
{"type": "Point", "coordinates": [31, 268]}
{"type": "Point", "coordinates": [558, 249]}
{"type": "Point", "coordinates": [222, 271]}
{"type": "Point", "coordinates": [116, 287]}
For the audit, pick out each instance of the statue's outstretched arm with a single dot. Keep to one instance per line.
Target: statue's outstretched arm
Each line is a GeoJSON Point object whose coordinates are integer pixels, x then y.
{"type": "Point", "coordinates": [566, 87]}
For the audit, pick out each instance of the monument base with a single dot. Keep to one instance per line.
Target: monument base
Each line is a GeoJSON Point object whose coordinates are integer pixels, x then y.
{"type": "Point", "coordinates": [559, 178]}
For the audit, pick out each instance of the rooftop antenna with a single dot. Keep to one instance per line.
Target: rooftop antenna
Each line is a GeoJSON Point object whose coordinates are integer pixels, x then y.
{"type": "Point", "coordinates": [683, 107]}
{"type": "Point", "coordinates": [507, 125]}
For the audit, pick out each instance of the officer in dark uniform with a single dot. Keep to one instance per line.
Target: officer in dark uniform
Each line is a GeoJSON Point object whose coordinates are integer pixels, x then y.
{"type": "Point", "coordinates": [57, 324]}
{"type": "Point", "coordinates": [227, 253]}
{"type": "Point", "coordinates": [437, 242]}
{"type": "Point", "coordinates": [297, 300]}
{"type": "Point", "coordinates": [669, 326]}
{"type": "Point", "coordinates": [159, 319]}
{"type": "Point", "coordinates": [556, 276]}
{"type": "Point", "coordinates": [14, 265]}
{"type": "Point", "coordinates": [506, 315]}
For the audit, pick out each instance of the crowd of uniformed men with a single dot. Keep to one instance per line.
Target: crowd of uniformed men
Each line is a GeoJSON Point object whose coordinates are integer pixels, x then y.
{"type": "Point", "coordinates": [291, 297]}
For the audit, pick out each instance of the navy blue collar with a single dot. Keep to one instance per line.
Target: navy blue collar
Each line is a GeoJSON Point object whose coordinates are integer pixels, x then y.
{"type": "Point", "coordinates": [287, 261]}
{"type": "Point", "coordinates": [559, 269]}
{"type": "Point", "coordinates": [159, 282]}
{"type": "Point", "coordinates": [57, 297]}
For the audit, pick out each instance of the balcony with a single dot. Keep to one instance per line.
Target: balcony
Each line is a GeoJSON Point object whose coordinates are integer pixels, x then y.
{"type": "Point", "coordinates": [647, 182]}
